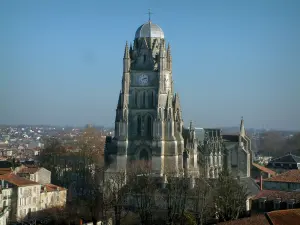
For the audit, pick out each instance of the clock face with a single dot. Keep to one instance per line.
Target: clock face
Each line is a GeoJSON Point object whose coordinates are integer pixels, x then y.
{"type": "Point", "coordinates": [143, 79]}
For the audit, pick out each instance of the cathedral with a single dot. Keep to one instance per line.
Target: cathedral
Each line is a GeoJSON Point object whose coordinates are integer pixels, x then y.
{"type": "Point", "coordinates": [149, 124]}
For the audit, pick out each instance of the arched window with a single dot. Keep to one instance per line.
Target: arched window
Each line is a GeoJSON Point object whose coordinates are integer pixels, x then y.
{"type": "Point", "coordinates": [136, 99]}
{"type": "Point", "coordinates": [144, 99]}
{"type": "Point", "coordinates": [139, 126]}
{"type": "Point", "coordinates": [145, 57]}
{"type": "Point", "coordinates": [152, 99]}
{"type": "Point", "coordinates": [144, 155]}
{"type": "Point", "coordinates": [149, 126]}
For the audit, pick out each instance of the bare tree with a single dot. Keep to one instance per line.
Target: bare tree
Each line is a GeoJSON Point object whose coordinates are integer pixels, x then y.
{"type": "Point", "coordinates": [142, 188]}
{"type": "Point", "coordinates": [201, 197]}
{"type": "Point", "coordinates": [272, 143]}
{"type": "Point", "coordinates": [175, 195]}
{"type": "Point", "coordinates": [115, 194]}
{"type": "Point", "coordinates": [229, 197]}
{"type": "Point", "coordinates": [81, 168]}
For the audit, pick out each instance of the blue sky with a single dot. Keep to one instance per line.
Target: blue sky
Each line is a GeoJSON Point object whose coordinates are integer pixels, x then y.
{"type": "Point", "coordinates": [61, 61]}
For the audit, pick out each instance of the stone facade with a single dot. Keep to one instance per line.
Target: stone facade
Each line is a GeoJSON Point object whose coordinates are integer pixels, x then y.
{"type": "Point", "coordinates": [238, 153]}
{"type": "Point", "coordinates": [148, 121]}
{"type": "Point", "coordinates": [149, 124]}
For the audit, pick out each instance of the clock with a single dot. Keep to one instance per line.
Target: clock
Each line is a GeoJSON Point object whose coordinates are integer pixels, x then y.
{"type": "Point", "coordinates": [143, 79]}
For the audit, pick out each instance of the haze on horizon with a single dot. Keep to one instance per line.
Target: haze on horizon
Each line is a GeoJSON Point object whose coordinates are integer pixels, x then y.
{"type": "Point", "coordinates": [61, 61]}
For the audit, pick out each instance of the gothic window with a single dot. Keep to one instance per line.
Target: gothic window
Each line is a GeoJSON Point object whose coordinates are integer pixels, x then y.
{"type": "Point", "coordinates": [139, 126]}
{"type": "Point", "coordinates": [144, 155]}
{"type": "Point", "coordinates": [234, 157]}
{"type": "Point", "coordinates": [149, 126]}
{"type": "Point", "coordinates": [144, 99]}
{"type": "Point", "coordinates": [136, 98]}
{"type": "Point", "coordinates": [152, 99]}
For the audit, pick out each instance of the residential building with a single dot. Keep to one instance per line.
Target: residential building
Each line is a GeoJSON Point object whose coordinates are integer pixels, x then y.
{"type": "Point", "coordinates": [53, 196]}
{"type": "Point", "coordinates": [258, 170]}
{"type": "Point", "coordinates": [34, 173]}
{"type": "Point", "coordinates": [285, 163]}
{"type": "Point", "coordinates": [287, 181]}
{"type": "Point", "coordinates": [25, 196]}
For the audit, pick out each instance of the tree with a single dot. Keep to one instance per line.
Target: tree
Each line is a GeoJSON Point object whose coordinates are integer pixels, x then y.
{"type": "Point", "coordinates": [175, 195]}
{"type": "Point", "coordinates": [272, 143]}
{"type": "Point", "coordinates": [115, 192]}
{"type": "Point", "coordinates": [201, 196]}
{"type": "Point", "coordinates": [229, 197]}
{"type": "Point", "coordinates": [82, 169]}
{"type": "Point", "coordinates": [49, 158]}
{"type": "Point", "coordinates": [293, 144]}
{"type": "Point", "coordinates": [142, 189]}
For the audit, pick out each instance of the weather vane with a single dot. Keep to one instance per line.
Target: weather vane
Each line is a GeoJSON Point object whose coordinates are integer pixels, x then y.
{"type": "Point", "coordinates": [149, 14]}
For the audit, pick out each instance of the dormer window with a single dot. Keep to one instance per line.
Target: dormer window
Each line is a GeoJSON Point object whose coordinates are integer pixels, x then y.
{"type": "Point", "coordinates": [262, 202]}
{"type": "Point", "coordinates": [291, 203]}
{"type": "Point", "coordinates": [277, 202]}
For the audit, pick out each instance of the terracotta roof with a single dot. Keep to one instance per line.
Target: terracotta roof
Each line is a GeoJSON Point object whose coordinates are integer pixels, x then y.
{"type": "Point", "coordinates": [273, 194]}
{"type": "Point", "coordinates": [264, 169]}
{"type": "Point", "coordinates": [29, 170]}
{"type": "Point", "coordinates": [51, 187]}
{"type": "Point", "coordinates": [284, 217]}
{"type": "Point", "coordinates": [16, 180]}
{"type": "Point", "coordinates": [259, 219]}
{"type": "Point", "coordinates": [5, 171]}
{"type": "Point", "coordinates": [291, 176]}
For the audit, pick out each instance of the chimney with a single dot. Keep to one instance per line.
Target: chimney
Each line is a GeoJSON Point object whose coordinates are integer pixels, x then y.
{"type": "Point", "coordinates": [261, 182]}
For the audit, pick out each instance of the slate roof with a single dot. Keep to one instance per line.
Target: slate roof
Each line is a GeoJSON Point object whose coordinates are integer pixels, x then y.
{"type": "Point", "coordinates": [291, 176]}
{"type": "Point", "coordinates": [284, 217]}
{"type": "Point", "coordinates": [5, 164]}
{"type": "Point", "coordinates": [230, 137]}
{"type": "Point", "coordinates": [251, 185]}
{"type": "Point", "coordinates": [289, 158]}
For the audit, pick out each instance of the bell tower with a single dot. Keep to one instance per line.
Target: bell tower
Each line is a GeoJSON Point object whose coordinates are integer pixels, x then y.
{"type": "Point", "coordinates": [148, 124]}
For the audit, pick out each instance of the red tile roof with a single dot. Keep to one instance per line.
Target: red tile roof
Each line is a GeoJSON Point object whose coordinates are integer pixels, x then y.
{"type": "Point", "coordinates": [51, 187]}
{"type": "Point", "coordinates": [259, 219]}
{"type": "Point", "coordinates": [30, 170]}
{"type": "Point", "coordinates": [284, 217]}
{"type": "Point", "coordinates": [264, 169]}
{"type": "Point", "coordinates": [291, 176]}
{"type": "Point", "coordinates": [273, 194]}
{"type": "Point", "coordinates": [5, 171]}
{"type": "Point", "coordinates": [16, 180]}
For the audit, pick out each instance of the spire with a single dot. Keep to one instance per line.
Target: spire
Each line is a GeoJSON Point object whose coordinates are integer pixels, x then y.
{"type": "Point", "coordinates": [191, 125]}
{"type": "Point", "coordinates": [120, 101]}
{"type": "Point", "coordinates": [162, 50]}
{"type": "Point", "coordinates": [169, 51]}
{"type": "Point", "coordinates": [169, 57]}
{"type": "Point", "coordinates": [242, 128]}
{"type": "Point", "coordinates": [126, 52]}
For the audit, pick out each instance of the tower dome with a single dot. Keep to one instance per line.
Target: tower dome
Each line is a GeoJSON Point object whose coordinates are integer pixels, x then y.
{"type": "Point", "coordinates": [149, 29]}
